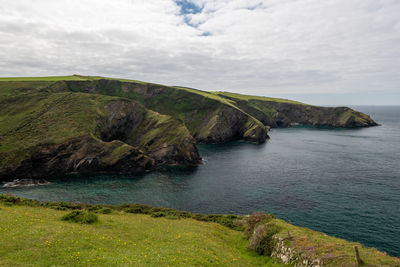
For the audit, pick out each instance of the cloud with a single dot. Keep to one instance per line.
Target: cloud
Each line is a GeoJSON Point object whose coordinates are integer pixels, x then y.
{"type": "Point", "coordinates": [250, 46]}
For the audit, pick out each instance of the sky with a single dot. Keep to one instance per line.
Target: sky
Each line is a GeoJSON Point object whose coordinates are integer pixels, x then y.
{"type": "Point", "coordinates": [331, 52]}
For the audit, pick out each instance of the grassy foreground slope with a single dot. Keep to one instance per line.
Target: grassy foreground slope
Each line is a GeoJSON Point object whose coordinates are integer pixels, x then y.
{"type": "Point", "coordinates": [35, 236]}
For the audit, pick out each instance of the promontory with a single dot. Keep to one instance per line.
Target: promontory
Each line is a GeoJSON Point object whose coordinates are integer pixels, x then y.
{"type": "Point", "coordinates": [87, 124]}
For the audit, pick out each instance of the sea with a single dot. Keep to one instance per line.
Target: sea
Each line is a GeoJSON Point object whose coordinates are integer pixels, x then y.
{"type": "Point", "coordinates": [343, 182]}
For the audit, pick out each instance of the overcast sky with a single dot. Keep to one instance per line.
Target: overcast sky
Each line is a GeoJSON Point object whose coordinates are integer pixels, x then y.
{"type": "Point", "coordinates": [318, 51]}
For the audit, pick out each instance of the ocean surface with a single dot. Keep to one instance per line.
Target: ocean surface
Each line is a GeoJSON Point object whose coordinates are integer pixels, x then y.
{"type": "Point", "coordinates": [344, 182]}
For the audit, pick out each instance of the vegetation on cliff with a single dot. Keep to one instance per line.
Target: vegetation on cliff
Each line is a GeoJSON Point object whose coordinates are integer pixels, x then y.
{"type": "Point", "coordinates": [86, 124]}
{"type": "Point", "coordinates": [45, 130]}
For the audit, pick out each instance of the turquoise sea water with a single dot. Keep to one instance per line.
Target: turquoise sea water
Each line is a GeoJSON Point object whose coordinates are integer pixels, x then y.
{"type": "Point", "coordinates": [344, 182]}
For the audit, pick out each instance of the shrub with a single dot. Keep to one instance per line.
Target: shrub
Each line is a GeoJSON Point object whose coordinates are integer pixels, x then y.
{"type": "Point", "coordinates": [100, 209]}
{"type": "Point", "coordinates": [136, 208]}
{"type": "Point", "coordinates": [64, 206]}
{"type": "Point", "coordinates": [262, 240]}
{"type": "Point", "coordinates": [79, 216]}
{"type": "Point", "coordinates": [105, 211]}
{"type": "Point", "coordinates": [228, 221]}
{"type": "Point", "coordinates": [158, 214]}
{"type": "Point", "coordinates": [254, 220]}
{"type": "Point", "coordinates": [10, 200]}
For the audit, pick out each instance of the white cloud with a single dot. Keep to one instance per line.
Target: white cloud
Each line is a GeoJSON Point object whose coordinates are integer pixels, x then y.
{"type": "Point", "coordinates": [259, 47]}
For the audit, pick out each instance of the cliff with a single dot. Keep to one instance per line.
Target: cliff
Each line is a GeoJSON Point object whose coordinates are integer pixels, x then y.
{"type": "Point", "coordinates": [45, 133]}
{"type": "Point", "coordinates": [277, 112]}
{"type": "Point", "coordinates": [55, 125]}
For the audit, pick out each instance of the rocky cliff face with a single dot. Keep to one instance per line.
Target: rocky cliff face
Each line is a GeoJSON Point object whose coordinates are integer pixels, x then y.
{"type": "Point", "coordinates": [222, 117]}
{"type": "Point", "coordinates": [284, 113]}
{"type": "Point", "coordinates": [80, 155]}
{"type": "Point", "coordinates": [289, 114]}
{"type": "Point", "coordinates": [85, 133]}
{"type": "Point", "coordinates": [208, 119]}
{"type": "Point", "coordinates": [163, 138]}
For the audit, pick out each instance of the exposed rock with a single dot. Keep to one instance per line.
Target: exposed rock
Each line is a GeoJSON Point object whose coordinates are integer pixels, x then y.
{"type": "Point", "coordinates": [219, 124]}
{"type": "Point", "coordinates": [283, 114]}
{"type": "Point", "coordinates": [343, 117]}
{"type": "Point", "coordinates": [229, 124]}
{"type": "Point", "coordinates": [26, 182]}
{"type": "Point", "coordinates": [130, 123]}
{"type": "Point", "coordinates": [292, 257]}
{"type": "Point", "coordinates": [83, 155]}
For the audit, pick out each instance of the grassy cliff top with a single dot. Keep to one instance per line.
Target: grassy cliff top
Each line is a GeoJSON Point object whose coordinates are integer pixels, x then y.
{"type": "Point", "coordinates": [252, 97]}
{"type": "Point", "coordinates": [50, 78]}
{"type": "Point", "coordinates": [74, 77]}
{"type": "Point", "coordinates": [212, 95]}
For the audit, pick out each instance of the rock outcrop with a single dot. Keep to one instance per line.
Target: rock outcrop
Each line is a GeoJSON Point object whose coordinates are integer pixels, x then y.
{"type": "Point", "coordinates": [284, 113]}
{"type": "Point", "coordinates": [81, 155]}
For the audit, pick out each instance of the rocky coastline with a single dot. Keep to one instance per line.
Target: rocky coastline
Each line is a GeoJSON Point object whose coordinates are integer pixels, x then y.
{"type": "Point", "coordinates": [99, 125]}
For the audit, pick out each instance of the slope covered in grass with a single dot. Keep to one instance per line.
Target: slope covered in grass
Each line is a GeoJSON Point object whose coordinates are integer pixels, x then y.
{"type": "Point", "coordinates": [38, 233]}
{"type": "Point", "coordinates": [46, 130]}
{"type": "Point", "coordinates": [36, 236]}
{"type": "Point", "coordinates": [330, 250]}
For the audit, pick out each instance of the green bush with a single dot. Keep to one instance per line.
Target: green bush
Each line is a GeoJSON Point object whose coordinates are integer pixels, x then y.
{"type": "Point", "coordinates": [64, 206]}
{"type": "Point", "coordinates": [80, 216]}
{"type": "Point", "coordinates": [262, 240]}
{"type": "Point", "coordinates": [255, 219]}
{"type": "Point", "coordinates": [158, 214]}
{"type": "Point", "coordinates": [231, 221]}
{"type": "Point", "coordinates": [10, 200]}
{"type": "Point", "coordinates": [136, 208]}
{"type": "Point", "coordinates": [105, 211]}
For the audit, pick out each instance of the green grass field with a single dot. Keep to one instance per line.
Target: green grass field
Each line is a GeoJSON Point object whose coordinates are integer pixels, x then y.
{"type": "Point", "coordinates": [262, 98]}
{"type": "Point", "coordinates": [49, 78]}
{"type": "Point", "coordinates": [74, 77]}
{"type": "Point", "coordinates": [36, 236]}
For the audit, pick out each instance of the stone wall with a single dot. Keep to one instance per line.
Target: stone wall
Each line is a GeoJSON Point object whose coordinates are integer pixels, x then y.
{"type": "Point", "coordinates": [291, 256]}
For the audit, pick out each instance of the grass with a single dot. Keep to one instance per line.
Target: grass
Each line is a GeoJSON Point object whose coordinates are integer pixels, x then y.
{"type": "Point", "coordinates": [31, 119]}
{"type": "Point", "coordinates": [36, 236]}
{"type": "Point", "coordinates": [262, 98]}
{"type": "Point", "coordinates": [74, 77]}
{"type": "Point", "coordinates": [49, 78]}
{"type": "Point", "coordinates": [179, 237]}
{"type": "Point", "coordinates": [28, 121]}
{"type": "Point", "coordinates": [335, 251]}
